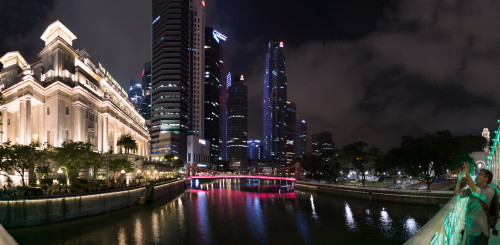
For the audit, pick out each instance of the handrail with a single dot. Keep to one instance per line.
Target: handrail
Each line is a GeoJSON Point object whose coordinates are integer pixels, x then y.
{"type": "Point", "coordinates": [445, 227]}
{"type": "Point", "coordinates": [6, 238]}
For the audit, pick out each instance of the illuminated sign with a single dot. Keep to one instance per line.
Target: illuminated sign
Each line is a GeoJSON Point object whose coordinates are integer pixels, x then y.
{"type": "Point", "coordinates": [203, 142]}
{"type": "Point", "coordinates": [203, 2]}
{"type": "Point", "coordinates": [157, 18]}
{"type": "Point", "coordinates": [110, 78]}
{"type": "Point", "coordinates": [281, 44]}
{"type": "Point", "coordinates": [143, 72]}
{"type": "Point", "coordinates": [218, 35]}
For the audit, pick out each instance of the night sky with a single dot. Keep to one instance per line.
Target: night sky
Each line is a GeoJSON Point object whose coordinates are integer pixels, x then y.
{"type": "Point", "coordinates": [365, 70]}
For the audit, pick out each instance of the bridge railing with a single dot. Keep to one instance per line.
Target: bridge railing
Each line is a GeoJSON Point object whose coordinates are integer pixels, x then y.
{"type": "Point", "coordinates": [445, 227]}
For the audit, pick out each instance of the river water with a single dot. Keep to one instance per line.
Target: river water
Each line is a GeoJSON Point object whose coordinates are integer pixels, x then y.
{"type": "Point", "coordinates": [241, 212]}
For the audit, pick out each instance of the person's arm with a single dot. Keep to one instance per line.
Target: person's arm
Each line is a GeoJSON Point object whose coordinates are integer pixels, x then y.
{"type": "Point", "coordinates": [470, 181]}
{"type": "Point", "coordinates": [457, 187]}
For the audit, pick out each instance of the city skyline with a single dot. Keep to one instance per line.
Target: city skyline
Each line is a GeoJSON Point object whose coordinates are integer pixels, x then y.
{"type": "Point", "coordinates": [391, 69]}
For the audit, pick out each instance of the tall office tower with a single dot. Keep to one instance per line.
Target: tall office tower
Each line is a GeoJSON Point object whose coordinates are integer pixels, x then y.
{"type": "Point", "coordinates": [301, 141]}
{"type": "Point", "coordinates": [135, 94]}
{"type": "Point", "coordinates": [170, 74]}
{"type": "Point", "coordinates": [213, 77]}
{"type": "Point", "coordinates": [196, 67]}
{"type": "Point", "coordinates": [254, 150]}
{"type": "Point", "coordinates": [223, 118]}
{"type": "Point", "coordinates": [275, 97]}
{"type": "Point", "coordinates": [146, 94]}
{"type": "Point", "coordinates": [291, 131]}
{"type": "Point", "coordinates": [237, 123]}
{"type": "Point", "coordinates": [322, 142]}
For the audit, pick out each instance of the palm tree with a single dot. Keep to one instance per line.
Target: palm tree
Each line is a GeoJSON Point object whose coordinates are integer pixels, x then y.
{"type": "Point", "coordinates": [126, 141]}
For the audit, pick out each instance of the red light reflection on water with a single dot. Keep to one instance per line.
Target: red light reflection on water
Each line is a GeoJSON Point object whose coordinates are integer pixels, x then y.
{"type": "Point", "coordinates": [241, 194]}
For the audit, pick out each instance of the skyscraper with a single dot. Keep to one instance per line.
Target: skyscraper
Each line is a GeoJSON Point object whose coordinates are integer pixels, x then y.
{"type": "Point", "coordinates": [135, 94]}
{"type": "Point", "coordinates": [275, 97]}
{"type": "Point", "coordinates": [223, 118]}
{"type": "Point", "coordinates": [322, 142]}
{"type": "Point", "coordinates": [146, 94]}
{"type": "Point", "coordinates": [237, 123]}
{"type": "Point", "coordinates": [254, 150]}
{"type": "Point", "coordinates": [213, 77]}
{"type": "Point", "coordinates": [170, 75]}
{"type": "Point", "coordinates": [291, 131]}
{"type": "Point", "coordinates": [196, 67]}
{"type": "Point", "coordinates": [301, 141]}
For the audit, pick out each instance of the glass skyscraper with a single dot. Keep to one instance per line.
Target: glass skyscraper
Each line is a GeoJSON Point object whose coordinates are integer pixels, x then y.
{"type": "Point", "coordinates": [213, 77]}
{"type": "Point", "coordinates": [237, 123]}
{"type": "Point", "coordinates": [275, 97]}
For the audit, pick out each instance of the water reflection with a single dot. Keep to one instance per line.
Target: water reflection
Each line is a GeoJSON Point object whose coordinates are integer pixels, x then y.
{"type": "Point", "coordinates": [411, 226]}
{"type": "Point", "coordinates": [225, 212]}
{"type": "Point", "coordinates": [138, 232]}
{"type": "Point", "coordinates": [122, 236]}
{"type": "Point", "coordinates": [385, 223]}
{"type": "Point", "coordinates": [349, 218]}
{"type": "Point", "coordinates": [314, 214]}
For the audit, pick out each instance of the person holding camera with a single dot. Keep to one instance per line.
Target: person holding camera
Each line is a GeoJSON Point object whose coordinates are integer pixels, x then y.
{"type": "Point", "coordinates": [476, 218]}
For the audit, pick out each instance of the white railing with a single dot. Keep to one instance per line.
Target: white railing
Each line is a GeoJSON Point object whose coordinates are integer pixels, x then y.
{"type": "Point", "coordinates": [445, 227]}
{"type": "Point", "coordinates": [6, 238]}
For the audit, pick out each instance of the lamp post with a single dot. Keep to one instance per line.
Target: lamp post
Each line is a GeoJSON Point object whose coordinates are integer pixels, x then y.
{"type": "Point", "coordinates": [123, 181]}
{"type": "Point", "coordinates": [60, 177]}
{"type": "Point", "coordinates": [138, 175]}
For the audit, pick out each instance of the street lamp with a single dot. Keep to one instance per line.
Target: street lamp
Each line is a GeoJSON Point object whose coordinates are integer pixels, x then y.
{"type": "Point", "coordinates": [60, 177]}
{"type": "Point", "coordinates": [123, 181]}
{"type": "Point", "coordinates": [138, 175]}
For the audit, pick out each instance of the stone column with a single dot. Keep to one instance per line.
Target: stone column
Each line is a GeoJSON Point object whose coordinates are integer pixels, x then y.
{"type": "Point", "coordinates": [115, 136]}
{"type": "Point", "coordinates": [105, 134]}
{"type": "Point", "coordinates": [99, 133]}
{"type": "Point", "coordinates": [4, 124]}
{"type": "Point", "coordinates": [22, 122]}
{"type": "Point", "coordinates": [27, 139]}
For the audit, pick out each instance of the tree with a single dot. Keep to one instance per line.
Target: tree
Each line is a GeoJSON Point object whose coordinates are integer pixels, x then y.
{"type": "Point", "coordinates": [178, 163]}
{"type": "Point", "coordinates": [21, 158]}
{"type": "Point", "coordinates": [357, 155]}
{"type": "Point", "coordinates": [73, 156]}
{"type": "Point", "coordinates": [119, 164]}
{"type": "Point", "coordinates": [427, 157]}
{"type": "Point", "coordinates": [126, 141]}
{"type": "Point", "coordinates": [169, 157]}
{"type": "Point", "coordinates": [95, 162]}
{"type": "Point", "coordinates": [43, 170]}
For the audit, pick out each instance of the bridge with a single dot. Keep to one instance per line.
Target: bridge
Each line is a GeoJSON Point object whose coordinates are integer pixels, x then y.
{"type": "Point", "coordinates": [446, 226]}
{"type": "Point", "coordinates": [194, 172]}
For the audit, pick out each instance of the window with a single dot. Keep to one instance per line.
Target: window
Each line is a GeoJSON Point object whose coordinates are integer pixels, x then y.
{"type": "Point", "coordinates": [91, 117]}
{"type": "Point", "coordinates": [66, 134]}
{"type": "Point", "coordinates": [67, 110]}
{"type": "Point", "coordinates": [48, 137]}
{"type": "Point", "coordinates": [48, 111]}
{"type": "Point", "coordinates": [8, 121]}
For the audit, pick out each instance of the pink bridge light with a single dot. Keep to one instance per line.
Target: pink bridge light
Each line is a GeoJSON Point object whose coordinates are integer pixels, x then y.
{"type": "Point", "coordinates": [240, 177]}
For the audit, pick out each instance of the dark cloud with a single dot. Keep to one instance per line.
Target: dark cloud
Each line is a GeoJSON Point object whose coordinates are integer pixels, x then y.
{"type": "Point", "coordinates": [18, 19]}
{"type": "Point", "coordinates": [432, 67]}
{"type": "Point", "coordinates": [364, 70]}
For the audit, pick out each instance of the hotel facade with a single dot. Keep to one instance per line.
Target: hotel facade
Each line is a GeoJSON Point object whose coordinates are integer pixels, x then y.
{"type": "Point", "coordinates": [66, 95]}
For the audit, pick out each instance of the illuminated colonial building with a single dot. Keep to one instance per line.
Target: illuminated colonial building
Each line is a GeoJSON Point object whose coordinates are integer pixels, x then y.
{"type": "Point", "coordinates": [65, 95]}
